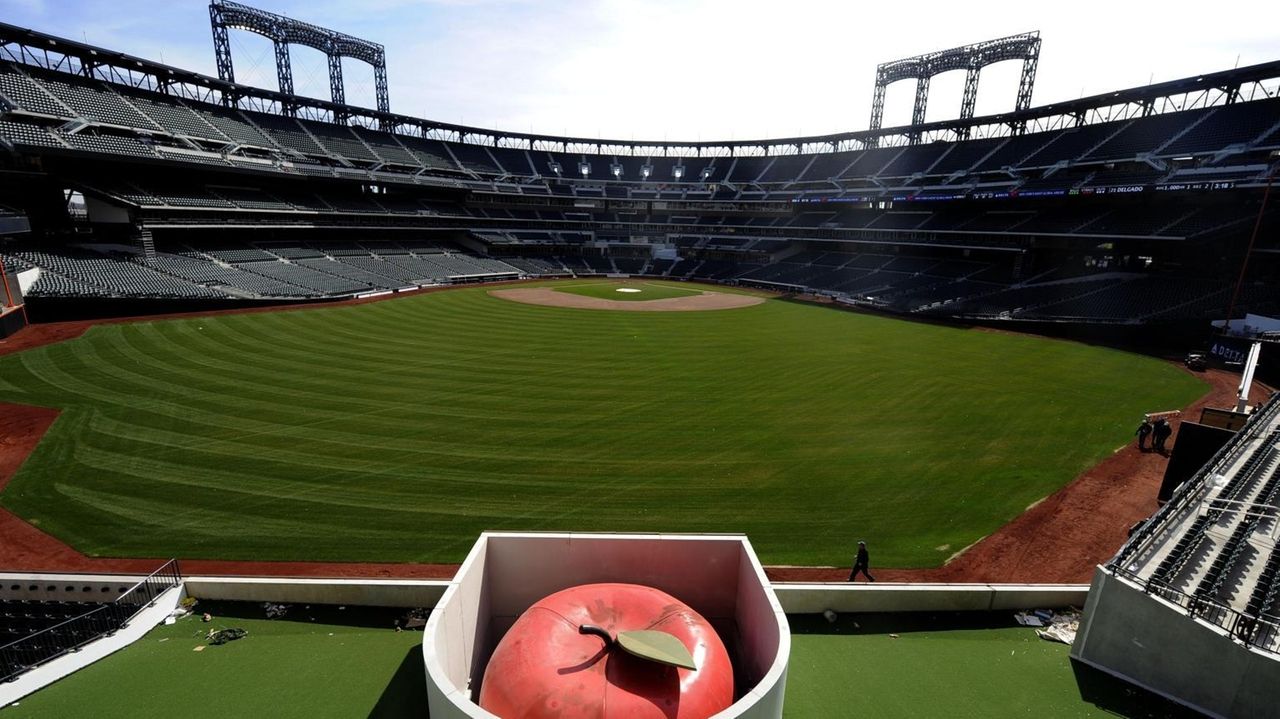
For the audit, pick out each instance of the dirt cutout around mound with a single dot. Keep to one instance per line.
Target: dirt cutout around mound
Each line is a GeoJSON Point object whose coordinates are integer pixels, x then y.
{"type": "Point", "coordinates": [550, 297]}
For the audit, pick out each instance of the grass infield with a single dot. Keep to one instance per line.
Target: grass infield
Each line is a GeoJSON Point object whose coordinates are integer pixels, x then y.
{"type": "Point", "coordinates": [396, 431]}
{"type": "Point", "coordinates": [636, 290]}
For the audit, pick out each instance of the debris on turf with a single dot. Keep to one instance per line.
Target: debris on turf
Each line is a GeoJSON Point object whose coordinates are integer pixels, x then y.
{"type": "Point", "coordinates": [1061, 626]}
{"type": "Point", "coordinates": [275, 611]}
{"type": "Point", "coordinates": [413, 619]}
{"type": "Point", "coordinates": [222, 636]}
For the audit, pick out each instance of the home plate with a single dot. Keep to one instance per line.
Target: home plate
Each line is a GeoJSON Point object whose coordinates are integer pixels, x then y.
{"type": "Point", "coordinates": [626, 289]}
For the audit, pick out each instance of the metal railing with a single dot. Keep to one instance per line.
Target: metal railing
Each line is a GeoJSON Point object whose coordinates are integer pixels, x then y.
{"type": "Point", "coordinates": [47, 644]}
{"type": "Point", "coordinates": [1260, 632]}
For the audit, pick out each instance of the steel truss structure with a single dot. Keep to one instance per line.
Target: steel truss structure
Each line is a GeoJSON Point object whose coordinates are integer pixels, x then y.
{"type": "Point", "coordinates": [971, 59]}
{"type": "Point", "coordinates": [283, 32]}
{"type": "Point", "coordinates": [37, 49]}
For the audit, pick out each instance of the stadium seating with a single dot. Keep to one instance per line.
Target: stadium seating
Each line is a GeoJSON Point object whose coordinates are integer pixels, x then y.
{"type": "Point", "coordinates": [340, 141]}
{"type": "Point", "coordinates": [110, 144]}
{"type": "Point", "coordinates": [96, 103]}
{"type": "Point", "coordinates": [83, 274]}
{"type": "Point", "coordinates": [983, 193]}
{"type": "Point", "coordinates": [44, 629]}
{"type": "Point", "coordinates": [287, 133]}
{"type": "Point", "coordinates": [28, 95]}
{"type": "Point", "coordinates": [22, 133]}
{"type": "Point", "coordinates": [175, 118]}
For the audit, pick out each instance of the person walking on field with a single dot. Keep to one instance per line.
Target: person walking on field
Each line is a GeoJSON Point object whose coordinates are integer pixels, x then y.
{"type": "Point", "coordinates": [1161, 434]}
{"type": "Point", "coordinates": [861, 564]}
{"type": "Point", "coordinates": [1144, 431]}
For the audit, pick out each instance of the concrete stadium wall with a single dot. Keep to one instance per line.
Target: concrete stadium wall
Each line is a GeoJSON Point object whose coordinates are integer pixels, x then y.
{"type": "Point", "coordinates": [1153, 644]}
{"type": "Point", "coordinates": [292, 590]}
{"type": "Point", "coordinates": [66, 587]}
{"type": "Point", "coordinates": [885, 597]}
{"type": "Point", "coordinates": [795, 598]}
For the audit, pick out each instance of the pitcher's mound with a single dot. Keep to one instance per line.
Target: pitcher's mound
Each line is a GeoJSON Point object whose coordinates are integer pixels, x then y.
{"type": "Point", "coordinates": [693, 303]}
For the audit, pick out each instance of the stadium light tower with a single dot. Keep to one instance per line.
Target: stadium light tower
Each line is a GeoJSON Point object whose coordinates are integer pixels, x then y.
{"type": "Point", "coordinates": [971, 59]}
{"type": "Point", "coordinates": [283, 32]}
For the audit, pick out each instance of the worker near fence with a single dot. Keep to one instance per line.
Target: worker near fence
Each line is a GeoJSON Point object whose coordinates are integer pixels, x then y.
{"type": "Point", "coordinates": [1144, 431]}
{"type": "Point", "coordinates": [1160, 433]}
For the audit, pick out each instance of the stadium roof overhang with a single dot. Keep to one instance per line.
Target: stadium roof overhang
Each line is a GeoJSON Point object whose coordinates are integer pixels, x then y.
{"type": "Point", "coordinates": [31, 47]}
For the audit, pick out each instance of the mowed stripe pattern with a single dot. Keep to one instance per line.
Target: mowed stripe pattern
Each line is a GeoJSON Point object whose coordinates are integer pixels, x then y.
{"type": "Point", "coordinates": [397, 431]}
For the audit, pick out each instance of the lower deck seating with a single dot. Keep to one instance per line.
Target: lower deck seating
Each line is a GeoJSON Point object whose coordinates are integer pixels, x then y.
{"type": "Point", "coordinates": [34, 631]}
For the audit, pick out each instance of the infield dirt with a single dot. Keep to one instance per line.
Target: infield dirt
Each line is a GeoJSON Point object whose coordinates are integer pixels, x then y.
{"type": "Point", "coordinates": [694, 303]}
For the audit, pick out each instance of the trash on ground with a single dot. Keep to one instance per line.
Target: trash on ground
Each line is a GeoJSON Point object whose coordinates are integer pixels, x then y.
{"type": "Point", "coordinates": [222, 636]}
{"type": "Point", "coordinates": [1059, 626]}
{"type": "Point", "coordinates": [275, 611]}
{"type": "Point", "coordinates": [413, 619]}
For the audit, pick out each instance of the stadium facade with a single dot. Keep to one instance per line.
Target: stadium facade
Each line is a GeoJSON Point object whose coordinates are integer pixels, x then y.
{"type": "Point", "coordinates": [1132, 208]}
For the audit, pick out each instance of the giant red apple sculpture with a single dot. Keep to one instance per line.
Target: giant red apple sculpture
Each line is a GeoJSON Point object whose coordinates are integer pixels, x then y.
{"type": "Point", "coordinates": [608, 650]}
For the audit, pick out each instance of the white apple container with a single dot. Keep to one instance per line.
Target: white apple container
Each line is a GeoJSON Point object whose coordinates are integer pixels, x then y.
{"type": "Point", "coordinates": [718, 576]}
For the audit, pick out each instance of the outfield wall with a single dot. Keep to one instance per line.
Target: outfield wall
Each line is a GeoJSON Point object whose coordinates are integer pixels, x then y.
{"type": "Point", "coordinates": [886, 597]}
{"type": "Point", "coordinates": [68, 309]}
{"type": "Point", "coordinates": [795, 597]}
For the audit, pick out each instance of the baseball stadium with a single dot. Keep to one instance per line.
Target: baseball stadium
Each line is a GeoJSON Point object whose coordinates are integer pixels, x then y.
{"type": "Point", "coordinates": [306, 407]}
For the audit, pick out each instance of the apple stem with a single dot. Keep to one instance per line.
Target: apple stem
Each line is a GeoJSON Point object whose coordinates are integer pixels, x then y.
{"type": "Point", "coordinates": [598, 631]}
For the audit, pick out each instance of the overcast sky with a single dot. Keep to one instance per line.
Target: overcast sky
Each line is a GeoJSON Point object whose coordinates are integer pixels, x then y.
{"type": "Point", "coordinates": [687, 69]}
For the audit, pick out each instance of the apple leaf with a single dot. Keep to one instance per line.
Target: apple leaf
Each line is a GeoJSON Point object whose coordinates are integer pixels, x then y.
{"type": "Point", "coordinates": [656, 646]}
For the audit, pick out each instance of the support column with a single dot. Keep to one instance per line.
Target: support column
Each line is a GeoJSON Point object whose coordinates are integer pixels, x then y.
{"type": "Point", "coordinates": [284, 70]}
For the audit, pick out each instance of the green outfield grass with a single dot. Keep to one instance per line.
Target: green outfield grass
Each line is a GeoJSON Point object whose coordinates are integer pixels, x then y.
{"type": "Point", "coordinates": [399, 430]}
{"type": "Point", "coordinates": [644, 290]}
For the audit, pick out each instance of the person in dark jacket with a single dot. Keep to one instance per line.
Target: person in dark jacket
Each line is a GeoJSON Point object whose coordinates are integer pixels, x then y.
{"type": "Point", "coordinates": [861, 563]}
{"type": "Point", "coordinates": [1160, 433]}
{"type": "Point", "coordinates": [1144, 431]}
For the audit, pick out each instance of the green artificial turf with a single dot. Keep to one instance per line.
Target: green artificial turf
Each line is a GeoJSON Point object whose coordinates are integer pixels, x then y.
{"type": "Point", "coordinates": [399, 430]}
{"type": "Point", "coordinates": [648, 290]}
{"type": "Point", "coordinates": [952, 665]}
{"type": "Point", "coordinates": [345, 664]}
{"type": "Point", "coordinates": [351, 664]}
